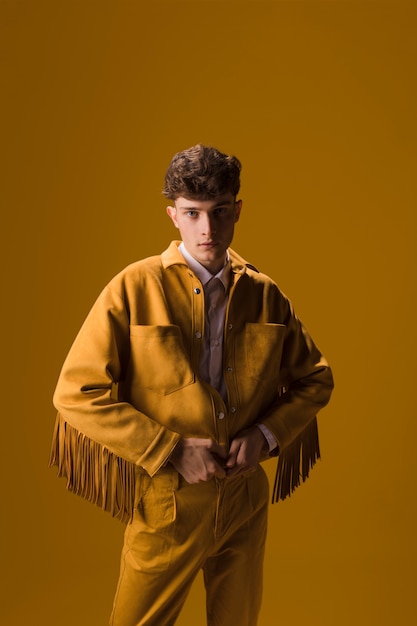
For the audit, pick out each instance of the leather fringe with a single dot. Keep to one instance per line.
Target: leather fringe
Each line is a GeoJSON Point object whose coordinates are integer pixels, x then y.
{"type": "Point", "coordinates": [93, 472]}
{"type": "Point", "coordinates": [295, 462]}
{"type": "Point", "coordinates": [107, 480]}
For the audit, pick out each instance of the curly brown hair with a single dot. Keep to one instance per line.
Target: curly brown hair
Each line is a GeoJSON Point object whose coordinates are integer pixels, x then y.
{"type": "Point", "coordinates": [202, 173]}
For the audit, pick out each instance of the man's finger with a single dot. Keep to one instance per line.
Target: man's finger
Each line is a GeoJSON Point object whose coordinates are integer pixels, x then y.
{"type": "Point", "coordinates": [218, 450]}
{"type": "Point", "coordinates": [233, 452]}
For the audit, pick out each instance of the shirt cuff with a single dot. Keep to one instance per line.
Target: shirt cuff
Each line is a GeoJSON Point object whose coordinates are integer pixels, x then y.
{"type": "Point", "coordinates": [270, 439]}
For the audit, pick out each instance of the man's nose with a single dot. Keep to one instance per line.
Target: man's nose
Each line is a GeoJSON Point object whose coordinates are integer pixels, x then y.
{"type": "Point", "coordinates": [208, 227]}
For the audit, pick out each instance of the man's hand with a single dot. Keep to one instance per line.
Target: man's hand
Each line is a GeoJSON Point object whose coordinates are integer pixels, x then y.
{"type": "Point", "coordinates": [246, 450]}
{"type": "Point", "coordinates": [199, 460]}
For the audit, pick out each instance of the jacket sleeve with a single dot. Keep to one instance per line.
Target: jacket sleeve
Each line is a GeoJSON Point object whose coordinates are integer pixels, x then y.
{"type": "Point", "coordinates": [306, 383]}
{"type": "Point", "coordinates": [99, 440]}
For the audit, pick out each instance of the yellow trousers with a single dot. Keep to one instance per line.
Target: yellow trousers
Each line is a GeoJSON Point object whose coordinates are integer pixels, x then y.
{"type": "Point", "coordinates": [178, 529]}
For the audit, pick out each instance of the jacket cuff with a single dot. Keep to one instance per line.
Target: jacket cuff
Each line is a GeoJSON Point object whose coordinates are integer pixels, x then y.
{"type": "Point", "coordinates": [159, 451]}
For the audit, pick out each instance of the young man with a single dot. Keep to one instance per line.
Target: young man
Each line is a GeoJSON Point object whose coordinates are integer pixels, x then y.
{"type": "Point", "coordinates": [190, 369]}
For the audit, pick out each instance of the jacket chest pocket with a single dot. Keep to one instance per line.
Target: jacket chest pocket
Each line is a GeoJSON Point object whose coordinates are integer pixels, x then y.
{"type": "Point", "coordinates": [263, 350]}
{"type": "Point", "coordinates": [158, 358]}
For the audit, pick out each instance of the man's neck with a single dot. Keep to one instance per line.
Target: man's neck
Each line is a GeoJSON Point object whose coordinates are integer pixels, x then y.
{"type": "Point", "coordinates": [203, 272]}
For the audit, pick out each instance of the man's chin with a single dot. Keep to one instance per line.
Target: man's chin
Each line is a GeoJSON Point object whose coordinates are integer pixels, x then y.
{"type": "Point", "coordinates": [212, 255]}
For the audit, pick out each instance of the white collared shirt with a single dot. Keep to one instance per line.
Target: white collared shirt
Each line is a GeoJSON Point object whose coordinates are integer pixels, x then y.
{"type": "Point", "coordinates": [216, 294]}
{"type": "Point", "coordinates": [216, 289]}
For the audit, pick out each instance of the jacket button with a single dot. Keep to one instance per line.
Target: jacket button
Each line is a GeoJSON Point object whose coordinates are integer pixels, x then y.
{"type": "Point", "coordinates": [197, 335]}
{"type": "Point", "coordinates": [197, 290]}
{"type": "Point", "coordinates": [230, 369]}
{"type": "Point", "coordinates": [233, 409]}
{"type": "Point", "coordinates": [229, 326]}
{"type": "Point", "coordinates": [220, 415]}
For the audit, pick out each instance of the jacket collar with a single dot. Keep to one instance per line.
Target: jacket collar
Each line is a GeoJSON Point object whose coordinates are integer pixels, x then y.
{"type": "Point", "coordinates": [172, 256]}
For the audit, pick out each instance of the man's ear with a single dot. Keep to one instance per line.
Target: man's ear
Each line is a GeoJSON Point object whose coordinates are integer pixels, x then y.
{"type": "Point", "coordinates": [172, 212]}
{"type": "Point", "coordinates": [238, 207]}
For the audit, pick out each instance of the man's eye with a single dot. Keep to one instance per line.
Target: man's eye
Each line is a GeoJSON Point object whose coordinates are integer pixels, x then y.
{"type": "Point", "coordinates": [221, 210]}
{"type": "Point", "coordinates": [191, 213]}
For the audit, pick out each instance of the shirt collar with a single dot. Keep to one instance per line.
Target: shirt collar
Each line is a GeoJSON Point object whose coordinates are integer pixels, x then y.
{"type": "Point", "coordinates": [202, 272]}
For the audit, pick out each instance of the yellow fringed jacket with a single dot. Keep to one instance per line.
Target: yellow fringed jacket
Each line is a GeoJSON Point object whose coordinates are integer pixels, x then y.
{"type": "Point", "coordinates": [128, 389]}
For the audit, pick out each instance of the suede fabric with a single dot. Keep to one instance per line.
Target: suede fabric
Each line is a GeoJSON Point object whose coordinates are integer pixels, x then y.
{"type": "Point", "coordinates": [128, 389]}
{"type": "Point", "coordinates": [179, 529]}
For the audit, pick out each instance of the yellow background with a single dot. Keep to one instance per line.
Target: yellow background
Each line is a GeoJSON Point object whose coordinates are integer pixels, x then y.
{"type": "Point", "coordinates": [318, 101]}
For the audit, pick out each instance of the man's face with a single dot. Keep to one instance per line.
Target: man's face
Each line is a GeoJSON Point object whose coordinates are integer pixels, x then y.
{"type": "Point", "coordinates": [206, 227]}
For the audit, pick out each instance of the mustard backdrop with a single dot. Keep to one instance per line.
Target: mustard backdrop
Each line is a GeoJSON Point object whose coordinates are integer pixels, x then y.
{"type": "Point", "coordinates": [318, 100]}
